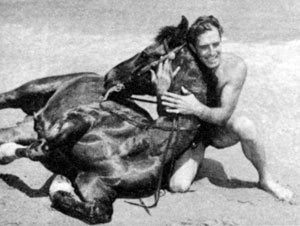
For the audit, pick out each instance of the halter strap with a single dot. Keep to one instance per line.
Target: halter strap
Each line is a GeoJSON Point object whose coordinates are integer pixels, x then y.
{"type": "Point", "coordinates": [161, 170]}
{"type": "Point", "coordinates": [148, 125]}
{"type": "Point", "coordinates": [169, 55]}
{"type": "Point", "coordinates": [166, 46]}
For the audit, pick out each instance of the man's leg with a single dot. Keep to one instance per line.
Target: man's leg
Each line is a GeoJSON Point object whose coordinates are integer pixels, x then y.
{"type": "Point", "coordinates": [186, 168]}
{"type": "Point", "coordinates": [253, 149]}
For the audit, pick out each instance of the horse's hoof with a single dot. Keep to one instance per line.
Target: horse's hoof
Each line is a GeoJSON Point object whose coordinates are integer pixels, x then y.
{"type": "Point", "coordinates": [60, 183]}
{"type": "Point", "coordinates": [8, 152]}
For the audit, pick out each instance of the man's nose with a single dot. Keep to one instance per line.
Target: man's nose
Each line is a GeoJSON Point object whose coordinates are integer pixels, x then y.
{"type": "Point", "coordinates": [211, 49]}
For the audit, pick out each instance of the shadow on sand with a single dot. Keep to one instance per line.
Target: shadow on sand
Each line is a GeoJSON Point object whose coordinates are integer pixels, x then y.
{"type": "Point", "coordinates": [215, 173]}
{"type": "Point", "coordinates": [17, 183]}
{"type": "Point", "coordinates": [211, 169]}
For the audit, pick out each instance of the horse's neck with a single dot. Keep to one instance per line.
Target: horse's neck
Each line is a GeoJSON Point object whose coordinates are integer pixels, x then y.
{"type": "Point", "coordinates": [173, 135]}
{"type": "Point", "coordinates": [191, 77]}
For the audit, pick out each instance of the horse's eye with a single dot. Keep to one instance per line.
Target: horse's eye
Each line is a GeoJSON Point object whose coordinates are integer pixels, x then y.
{"type": "Point", "coordinates": [157, 55]}
{"type": "Point", "coordinates": [144, 55]}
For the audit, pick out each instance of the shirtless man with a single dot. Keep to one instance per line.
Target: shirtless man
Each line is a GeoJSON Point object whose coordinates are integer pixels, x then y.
{"type": "Point", "coordinates": [225, 128]}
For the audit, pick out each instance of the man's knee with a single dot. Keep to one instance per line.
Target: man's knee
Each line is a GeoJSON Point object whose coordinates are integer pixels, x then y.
{"type": "Point", "coordinates": [186, 168]}
{"type": "Point", "coordinates": [244, 128]}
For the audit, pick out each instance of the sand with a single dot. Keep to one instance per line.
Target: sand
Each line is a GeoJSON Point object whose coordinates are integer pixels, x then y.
{"type": "Point", "coordinates": [42, 38]}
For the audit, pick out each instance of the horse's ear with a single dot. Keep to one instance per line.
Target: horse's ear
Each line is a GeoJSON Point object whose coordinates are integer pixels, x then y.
{"type": "Point", "coordinates": [35, 115]}
{"type": "Point", "coordinates": [183, 25]}
{"type": "Point", "coordinates": [174, 35]}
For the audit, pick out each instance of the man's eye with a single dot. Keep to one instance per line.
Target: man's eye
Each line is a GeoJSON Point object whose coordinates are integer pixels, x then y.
{"type": "Point", "coordinates": [203, 47]}
{"type": "Point", "coordinates": [216, 44]}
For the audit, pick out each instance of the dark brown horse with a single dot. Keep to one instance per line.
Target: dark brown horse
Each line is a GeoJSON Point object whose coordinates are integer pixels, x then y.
{"type": "Point", "coordinates": [114, 149]}
{"type": "Point", "coordinates": [32, 96]}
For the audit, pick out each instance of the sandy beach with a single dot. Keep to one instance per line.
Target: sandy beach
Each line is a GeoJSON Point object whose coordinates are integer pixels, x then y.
{"type": "Point", "coordinates": [43, 38]}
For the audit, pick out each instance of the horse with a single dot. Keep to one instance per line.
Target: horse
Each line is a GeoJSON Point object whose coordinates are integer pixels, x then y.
{"type": "Point", "coordinates": [114, 149]}
{"type": "Point", "coordinates": [32, 97]}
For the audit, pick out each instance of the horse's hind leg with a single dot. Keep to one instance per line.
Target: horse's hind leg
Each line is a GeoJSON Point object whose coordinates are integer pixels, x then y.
{"type": "Point", "coordinates": [33, 95]}
{"type": "Point", "coordinates": [12, 151]}
{"type": "Point", "coordinates": [8, 152]}
{"type": "Point", "coordinates": [13, 139]}
{"type": "Point", "coordinates": [94, 205]}
{"type": "Point", "coordinates": [30, 97]}
{"type": "Point", "coordinates": [22, 133]}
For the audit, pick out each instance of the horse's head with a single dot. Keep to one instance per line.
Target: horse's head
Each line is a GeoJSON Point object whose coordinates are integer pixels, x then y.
{"type": "Point", "coordinates": [134, 73]}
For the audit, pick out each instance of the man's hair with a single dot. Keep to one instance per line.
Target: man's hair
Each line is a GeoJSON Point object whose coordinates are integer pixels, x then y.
{"type": "Point", "coordinates": [201, 25]}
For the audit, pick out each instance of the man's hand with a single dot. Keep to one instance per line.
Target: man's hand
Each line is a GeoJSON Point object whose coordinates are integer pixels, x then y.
{"type": "Point", "coordinates": [186, 104]}
{"type": "Point", "coordinates": [163, 78]}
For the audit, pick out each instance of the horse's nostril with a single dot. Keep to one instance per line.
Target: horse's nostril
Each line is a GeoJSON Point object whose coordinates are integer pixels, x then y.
{"type": "Point", "coordinates": [119, 87]}
{"type": "Point", "coordinates": [109, 83]}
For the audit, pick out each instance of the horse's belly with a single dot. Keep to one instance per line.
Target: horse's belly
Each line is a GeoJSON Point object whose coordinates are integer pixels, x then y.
{"type": "Point", "coordinates": [140, 179]}
{"type": "Point", "coordinates": [132, 177]}
{"type": "Point", "coordinates": [92, 152]}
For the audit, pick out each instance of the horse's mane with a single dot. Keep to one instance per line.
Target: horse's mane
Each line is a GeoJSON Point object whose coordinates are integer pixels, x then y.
{"type": "Point", "coordinates": [174, 35]}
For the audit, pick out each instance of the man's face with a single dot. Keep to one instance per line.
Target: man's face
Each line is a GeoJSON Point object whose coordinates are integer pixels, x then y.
{"type": "Point", "coordinates": [209, 48]}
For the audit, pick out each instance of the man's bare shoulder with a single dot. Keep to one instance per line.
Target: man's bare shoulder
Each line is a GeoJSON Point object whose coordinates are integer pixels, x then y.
{"type": "Point", "coordinates": [232, 70]}
{"type": "Point", "coordinates": [233, 61]}
{"type": "Point", "coordinates": [234, 65]}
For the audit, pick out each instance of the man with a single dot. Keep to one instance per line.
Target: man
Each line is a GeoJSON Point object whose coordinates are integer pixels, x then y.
{"type": "Point", "coordinates": [225, 128]}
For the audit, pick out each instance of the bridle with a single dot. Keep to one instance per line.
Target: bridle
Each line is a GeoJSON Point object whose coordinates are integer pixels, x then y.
{"type": "Point", "coordinates": [141, 71]}
{"type": "Point", "coordinates": [170, 54]}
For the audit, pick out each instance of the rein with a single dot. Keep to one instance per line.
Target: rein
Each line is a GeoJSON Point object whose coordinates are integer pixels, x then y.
{"type": "Point", "coordinates": [148, 125]}
{"type": "Point", "coordinates": [118, 87]}
{"type": "Point", "coordinates": [161, 170]}
{"type": "Point", "coordinates": [143, 100]}
{"type": "Point", "coordinates": [170, 55]}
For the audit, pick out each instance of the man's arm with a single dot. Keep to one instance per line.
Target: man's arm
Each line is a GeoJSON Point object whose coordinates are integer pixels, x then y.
{"type": "Point", "coordinates": [230, 93]}
{"type": "Point", "coordinates": [229, 98]}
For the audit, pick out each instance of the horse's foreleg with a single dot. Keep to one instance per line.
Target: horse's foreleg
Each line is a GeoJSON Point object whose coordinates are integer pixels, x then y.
{"type": "Point", "coordinates": [92, 208]}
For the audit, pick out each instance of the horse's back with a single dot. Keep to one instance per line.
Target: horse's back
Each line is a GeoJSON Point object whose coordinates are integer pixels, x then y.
{"type": "Point", "coordinates": [73, 93]}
